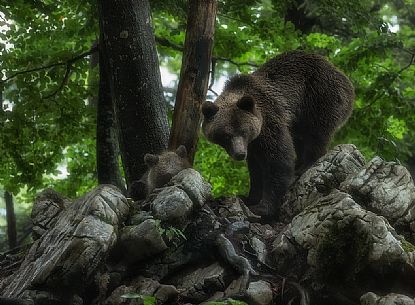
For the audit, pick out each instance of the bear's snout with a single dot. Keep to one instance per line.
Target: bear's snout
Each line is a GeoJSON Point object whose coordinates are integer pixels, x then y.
{"type": "Point", "coordinates": [239, 151]}
{"type": "Point", "coordinates": [240, 156]}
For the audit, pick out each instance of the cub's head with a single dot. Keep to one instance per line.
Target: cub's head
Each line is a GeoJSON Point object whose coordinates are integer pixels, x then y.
{"type": "Point", "coordinates": [161, 168]}
{"type": "Point", "coordinates": [232, 122]}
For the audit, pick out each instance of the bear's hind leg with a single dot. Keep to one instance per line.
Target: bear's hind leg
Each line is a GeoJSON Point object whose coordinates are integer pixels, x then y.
{"type": "Point", "coordinates": [314, 147]}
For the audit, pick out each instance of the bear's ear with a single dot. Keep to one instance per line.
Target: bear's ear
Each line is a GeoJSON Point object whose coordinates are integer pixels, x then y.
{"type": "Point", "coordinates": [209, 109]}
{"type": "Point", "coordinates": [181, 151]}
{"type": "Point", "coordinates": [246, 103]}
{"type": "Point", "coordinates": [151, 160]}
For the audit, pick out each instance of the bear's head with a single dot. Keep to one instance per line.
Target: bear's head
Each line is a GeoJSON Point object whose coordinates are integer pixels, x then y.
{"type": "Point", "coordinates": [232, 122]}
{"type": "Point", "coordinates": [161, 168]}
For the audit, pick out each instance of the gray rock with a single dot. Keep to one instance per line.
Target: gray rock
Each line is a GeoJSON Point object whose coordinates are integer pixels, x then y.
{"type": "Point", "coordinates": [194, 185]}
{"type": "Point", "coordinates": [371, 298]}
{"type": "Point", "coordinates": [385, 188]}
{"type": "Point", "coordinates": [139, 217]}
{"type": "Point", "coordinates": [45, 211]}
{"type": "Point", "coordinates": [197, 284]}
{"type": "Point", "coordinates": [235, 209]}
{"type": "Point", "coordinates": [231, 208]}
{"type": "Point", "coordinates": [142, 241]}
{"type": "Point", "coordinates": [259, 293]}
{"type": "Point", "coordinates": [260, 249]}
{"type": "Point", "coordinates": [69, 253]}
{"type": "Point", "coordinates": [172, 205]}
{"type": "Point", "coordinates": [139, 286]}
{"type": "Point", "coordinates": [336, 226]}
{"type": "Point", "coordinates": [326, 174]}
{"type": "Point", "coordinates": [235, 287]}
{"type": "Point", "coordinates": [165, 293]}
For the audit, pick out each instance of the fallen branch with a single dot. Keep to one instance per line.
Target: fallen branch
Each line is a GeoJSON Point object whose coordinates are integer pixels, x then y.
{"type": "Point", "coordinates": [238, 262]}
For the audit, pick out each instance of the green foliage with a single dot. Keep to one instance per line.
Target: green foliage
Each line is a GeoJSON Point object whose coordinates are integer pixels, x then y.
{"type": "Point", "coordinates": [171, 233]}
{"type": "Point", "coordinates": [227, 177]}
{"type": "Point", "coordinates": [38, 120]}
{"type": "Point", "coordinates": [147, 300]}
{"type": "Point", "coordinates": [227, 302]}
{"type": "Point", "coordinates": [81, 167]}
{"type": "Point", "coordinates": [407, 246]}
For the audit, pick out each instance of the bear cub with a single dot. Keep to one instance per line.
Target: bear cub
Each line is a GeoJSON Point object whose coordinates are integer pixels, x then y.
{"type": "Point", "coordinates": [280, 119]}
{"type": "Point", "coordinates": [161, 168]}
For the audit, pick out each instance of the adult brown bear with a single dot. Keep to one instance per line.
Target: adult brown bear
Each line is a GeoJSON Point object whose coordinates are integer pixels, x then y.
{"type": "Point", "coordinates": [280, 118]}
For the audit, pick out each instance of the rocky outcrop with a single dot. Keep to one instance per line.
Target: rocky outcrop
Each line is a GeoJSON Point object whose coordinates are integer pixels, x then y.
{"type": "Point", "coordinates": [67, 256]}
{"type": "Point", "coordinates": [345, 235]}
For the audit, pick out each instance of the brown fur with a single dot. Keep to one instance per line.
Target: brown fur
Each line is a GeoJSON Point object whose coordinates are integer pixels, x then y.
{"type": "Point", "coordinates": [161, 168]}
{"type": "Point", "coordinates": [279, 118]}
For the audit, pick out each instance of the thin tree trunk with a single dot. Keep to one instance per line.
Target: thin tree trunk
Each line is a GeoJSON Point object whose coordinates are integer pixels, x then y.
{"type": "Point", "coordinates": [140, 108]}
{"type": "Point", "coordinates": [410, 164]}
{"type": "Point", "coordinates": [108, 169]}
{"type": "Point", "coordinates": [194, 74]}
{"type": "Point", "coordinates": [11, 220]}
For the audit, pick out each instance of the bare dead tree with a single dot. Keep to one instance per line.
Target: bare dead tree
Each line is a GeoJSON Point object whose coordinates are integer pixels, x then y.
{"type": "Point", "coordinates": [194, 74]}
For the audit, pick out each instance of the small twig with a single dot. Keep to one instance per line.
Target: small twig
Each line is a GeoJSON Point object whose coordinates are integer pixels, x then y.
{"type": "Point", "coordinates": [238, 64]}
{"type": "Point", "coordinates": [61, 63]}
{"type": "Point", "coordinates": [407, 51]}
{"type": "Point", "coordinates": [376, 98]}
{"type": "Point", "coordinates": [63, 82]}
{"type": "Point", "coordinates": [212, 77]}
{"type": "Point", "coordinates": [408, 65]}
{"type": "Point", "coordinates": [167, 43]}
{"type": "Point", "coordinates": [283, 288]}
{"type": "Point", "coordinates": [212, 73]}
{"type": "Point", "coordinates": [214, 93]}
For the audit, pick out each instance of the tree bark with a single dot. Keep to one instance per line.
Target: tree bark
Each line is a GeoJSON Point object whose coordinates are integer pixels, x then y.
{"type": "Point", "coordinates": [194, 75]}
{"type": "Point", "coordinates": [11, 220]}
{"type": "Point", "coordinates": [140, 108]}
{"type": "Point", "coordinates": [108, 170]}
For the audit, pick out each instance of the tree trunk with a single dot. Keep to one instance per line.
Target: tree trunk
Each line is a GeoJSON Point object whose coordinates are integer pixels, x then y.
{"type": "Point", "coordinates": [410, 164]}
{"type": "Point", "coordinates": [11, 220]}
{"type": "Point", "coordinates": [194, 74]}
{"type": "Point", "coordinates": [140, 108]}
{"type": "Point", "coordinates": [107, 143]}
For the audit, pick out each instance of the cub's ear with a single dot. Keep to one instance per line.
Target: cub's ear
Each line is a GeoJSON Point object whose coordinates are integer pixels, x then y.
{"type": "Point", "coordinates": [209, 109]}
{"type": "Point", "coordinates": [246, 103]}
{"type": "Point", "coordinates": [151, 160]}
{"type": "Point", "coordinates": [181, 151]}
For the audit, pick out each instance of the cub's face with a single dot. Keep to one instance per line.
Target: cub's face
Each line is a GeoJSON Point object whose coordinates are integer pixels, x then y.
{"type": "Point", "coordinates": [233, 124]}
{"type": "Point", "coordinates": [165, 166]}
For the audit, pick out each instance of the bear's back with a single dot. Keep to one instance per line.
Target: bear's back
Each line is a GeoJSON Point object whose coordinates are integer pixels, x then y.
{"type": "Point", "coordinates": [307, 81]}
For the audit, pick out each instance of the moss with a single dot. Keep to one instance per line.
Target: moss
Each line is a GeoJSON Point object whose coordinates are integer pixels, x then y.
{"type": "Point", "coordinates": [342, 254]}
{"type": "Point", "coordinates": [407, 246]}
